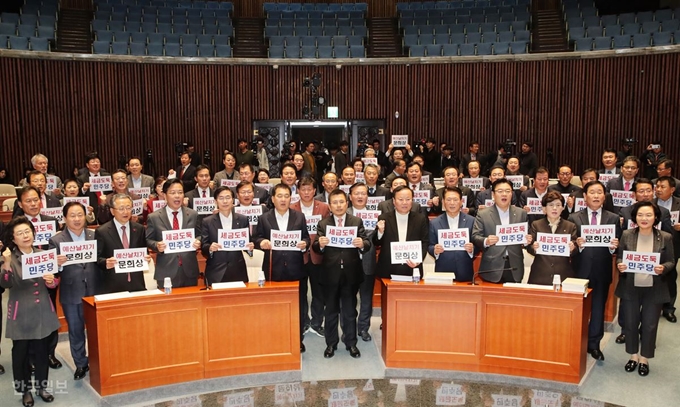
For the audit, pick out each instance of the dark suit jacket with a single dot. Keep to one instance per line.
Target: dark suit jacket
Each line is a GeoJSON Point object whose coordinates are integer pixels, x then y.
{"type": "Point", "coordinates": [368, 260]}
{"type": "Point", "coordinates": [351, 271]}
{"type": "Point", "coordinates": [458, 262]}
{"type": "Point", "coordinates": [167, 264]}
{"type": "Point", "coordinates": [388, 206]}
{"type": "Point", "coordinates": [341, 161]}
{"type": "Point", "coordinates": [663, 243]}
{"type": "Point", "coordinates": [675, 206]}
{"type": "Point", "coordinates": [523, 198]}
{"type": "Point", "coordinates": [108, 241]}
{"type": "Point", "coordinates": [320, 208]}
{"type": "Point", "coordinates": [77, 280]}
{"type": "Point", "coordinates": [467, 192]}
{"type": "Point", "coordinates": [195, 193]}
{"type": "Point", "coordinates": [544, 266]}
{"type": "Point", "coordinates": [617, 184]}
{"type": "Point", "coordinates": [286, 265]}
{"type": "Point", "coordinates": [381, 191]}
{"type": "Point", "coordinates": [594, 263]}
{"type": "Point", "coordinates": [85, 177]}
{"type": "Point", "coordinates": [51, 201]}
{"type": "Point", "coordinates": [493, 257]}
{"type": "Point", "coordinates": [222, 265]}
{"type": "Point", "coordinates": [187, 178]}
{"type": "Point", "coordinates": [417, 230]}
{"type": "Point", "coordinates": [482, 196]}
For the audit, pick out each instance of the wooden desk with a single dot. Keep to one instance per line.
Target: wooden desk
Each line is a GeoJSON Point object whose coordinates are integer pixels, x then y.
{"type": "Point", "coordinates": [192, 335]}
{"type": "Point", "coordinates": [485, 328]}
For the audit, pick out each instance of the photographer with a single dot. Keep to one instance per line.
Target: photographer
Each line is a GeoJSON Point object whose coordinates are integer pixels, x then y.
{"type": "Point", "coordinates": [650, 158]}
{"type": "Point", "coordinates": [244, 155]}
{"type": "Point", "coordinates": [528, 162]}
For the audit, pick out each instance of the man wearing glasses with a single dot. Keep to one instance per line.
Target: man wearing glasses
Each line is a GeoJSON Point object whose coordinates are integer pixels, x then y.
{"type": "Point", "coordinates": [625, 181]}
{"type": "Point", "coordinates": [500, 264]}
{"type": "Point", "coordinates": [664, 169]}
{"type": "Point", "coordinates": [564, 185]}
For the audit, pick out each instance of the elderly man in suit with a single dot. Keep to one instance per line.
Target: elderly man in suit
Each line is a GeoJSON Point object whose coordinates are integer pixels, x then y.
{"type": "Point", "coordinates": [223, 266]}
{"type": "Point", "coordinates": [284, 265]}
{"type": "Point", "coordinates": [595, 263]}
{"type": "Point", "coordinates": [451, 179]}
{"type": "Point", "coordinates": [398, 170]}
{"type": "Point", "coordinates": [452, 261]}
{"type": "Point", "coordinates": [38, 180]}
{"type": "Point", "coordinates": [414, 175]}
{"type": "Point", "coordinates": [182, 268]}
{"type": "Point", "coordinates": [119, 233]}
{"type": "Point", "coordinates": [371, 173]}
{"type": "Point", "coordinates": [500, 264]}
{"type": "Point", "coordinates": [538, 191]}
{"type": "Point", "coordinates": [39, 163]}
{"type": "Point", "coordinates": [342, 274]}
{"type": "Point", "coordinates": [665, 198]}
{"type": "Point", "coordinates": [388, 204]}
{"type": "Point", "coordinates": [247, 173]}
{"type": "Point", "coordinates": [77, 281]}
{"type": "Point", "coordinates": [329, 182]}
{"type": "Point", "coordinates": [136, 179]}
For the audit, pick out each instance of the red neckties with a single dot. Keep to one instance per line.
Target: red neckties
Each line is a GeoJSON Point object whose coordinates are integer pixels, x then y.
{"type": "Point", "coordinates": [593, 218]}
{"type": "Point", "coordinates": [627, 186]}
{"type": "Point", "coordinates": [181, 173]}
{"type": "Point", "coordinates": [340, 222]}
{"type": "Point", "coordinates": [203, 193]}
{"type": "Point", "coordinates": [413, 187]}
{"type": "Point", "coordinates": [175, 226]}
{"type": "Point", "coordinates": [34, 220]}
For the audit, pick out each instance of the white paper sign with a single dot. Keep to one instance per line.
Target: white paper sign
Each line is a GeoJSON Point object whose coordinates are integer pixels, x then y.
{"type": "Point", "coordinates": [289, 393]}
{"type": "Point", "coordinates": [506, 400]}
{"type": "Point", "coordinates": [553, 244]}
{"type": "Point", "coordinates": [233, 239]}
{"type": "Point", "coordinates": [285, 240]}
{"type": "Point", "coordinates": [266, 187]}
{"type": "Point", "coordinates": [584, 402]}
{"type": "Point", "coordinates": [243, 399]}
{"type": "Point", "coordinates": [623, 198]}
{"type": "Point", "coordinates": [79, 252]}
{"type": "Point", "coordinates": [179, 241]}
{"type": "Point", "coordinates": [403, 251]}
{"type": "Point", "coordinates": [43, 232]}
{"type": "Point", "coordinates": [158, 204]}
{"type": "Point", "coordinates": [37, 264]}
{"type": "Point", "coordinates": [488, 203]}
{"type": "Point", "coordinates": [51, 183]}
{"type": "Point", "coordinates": [83, 200]}
{"type": "Point", "coordinates": [399, 140]}
{"type": "Point", "coordinates": [253, 213]}
{"type": "Point", "coordinates": [359, 177]}
{"type": "Point", "coordinates": [204, 206]}
{"type": "Point", "coordinates": [372, 202]}
{"type": "Point", "coordinates": [295, 198]}
{"type": "Point", "coordinates": [453, 239]}
{"type": "Point", "coordinates": [517, 181]}
{"type": "Point", "coordinates": [640, 262]}
{"type": "Point", "coordinates": [369, 160]}
{"type": "Point", "coordinates": [138, 207]}
{"type": "Point", "coordinates": [345, 188]}
{"type": "Point", "coordinates": [675, 217]}
{"type": "Point", "coordinates": [140, 192]}
{"type": "Point", "coordinates": [579, 204]}
{"type": "Point", "coordinates": [475, 184]}
{"type": "Point", "coordinates": [421, 197]}
{"type": "Point", "coordinates": [535, 207]}
{"type": "Point", "coordinates": [544, 398]}
{"type": "Point", "coordinates": [425, 179]}
{"type": "Point", "coordinates": [100, 184]}
{"type": "Point", "coordinates": [450, 395]}
{"type": "Point", "coordinates": [368, 217]}
{"type": "Point", "coordinates": [312, 223]}
{"type": "Point", "coordinates": [342, 398]}
{"type": "Point", "coordinates": [131, 260]}
{"type": "Point", "coordinates": [598, 235]}
{"type": "Point", "coordinates": [231, 183]}
{"type": "Point", "coordinates": [515, 233]}
{"type": "Point", "coordinates": [57, 213]}
{"type": "Point", "coordinates": [341, 237]}
{"type": "Point", "coordinates": [604, 178]}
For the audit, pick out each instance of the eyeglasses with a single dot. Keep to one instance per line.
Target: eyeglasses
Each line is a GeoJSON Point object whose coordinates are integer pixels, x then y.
{"type": "Point", "coordinates": [566, 174]}
{"type": "Point", "coordinates": [124, 209]}
{"type": "Point", "coordinates": [630, 168]}
{"type": "Point", "coordinates": [22, 233]}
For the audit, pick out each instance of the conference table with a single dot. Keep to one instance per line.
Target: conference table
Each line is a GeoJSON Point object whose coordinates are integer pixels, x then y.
{"type": "Point", "coordinates": [192, 334]}
{"type": "Point", "coordinates": [485, 328]}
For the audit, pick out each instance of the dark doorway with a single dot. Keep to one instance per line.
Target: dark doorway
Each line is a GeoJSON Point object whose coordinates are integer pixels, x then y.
{"type": "Point", "coordinates": [327, 135]}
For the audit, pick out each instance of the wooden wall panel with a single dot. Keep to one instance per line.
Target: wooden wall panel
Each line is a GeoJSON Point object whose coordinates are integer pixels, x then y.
{"type": "Point", "coordinates": [577, 107]}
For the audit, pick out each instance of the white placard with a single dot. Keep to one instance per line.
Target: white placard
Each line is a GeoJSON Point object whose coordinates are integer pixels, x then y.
{"type": "Point", "coordinates": [453, 239]}
{"type": "Point", "coordinates": [79, 252]}
{"type": "Point", "coordinates": [515, 233]}
{"type": "Point", "coordinates": [640, 262]}
{"type": "Point", "coordinates": [675, 217]}
{"type": "Point", "coordinates": [143, 192]}
{"type": "Point", "coordinates": [100, 184]}
{"type": "Point", "coordinates": [553, 244]}
{"type": "Point", "coordinates": [341, 237]}
{"type": "Point", "coordinates": [622, 198]}
{"type": "Point", "coordinates": [450, 395]}
{"type": "Point", "coordinates": [179, 241]}
{"type": "Point", "coordinates": [506, 400]}
{"type": "Point", "coordinates": [368, 217]}
{"type": "Point", "coordinates": [544, 398]}
{"type": "Point", "coordinates": [204, 206]}
{"type": "Point", "coordinates": [285, 240]}
{"type": "Point", "coordinates": [242, 399]}
{"type": "Point", "coordinates": [488, 203]}
{"type": "Point", "coordinates": [131, 260]}
{"type": "Point", "coordinates": [289, 393]}
{"type": "Point", "coordinates": [158, 204]}
{"type": "Point", "coordinates": [475, 184]}
{"type": "Point", "coordinates": [294, 198]}
{"type": "Point", "coordinates": [399, 140]}
{"type": "Point", "coordinates": [343, 398]}
{"type": "Point", "coordinates": [421, 197]}
{"type": "Point", "coordinates": [598, 235]}
{"type": "Point", "coordinates": [372, 202]}
{"type": "Point", "coordinates": [312, 223]}
{"type": "Point", "coordinates": [189, 401]}
{"type": "Point", "coordinates": [43, 232]}
{"type": "Point", "coordinates": [51, 183]}
{"type": "Point", "coordinates": [579, 204]}
{"type": "Point", "coordinates": [266, 187]}
{"type": "Point", "coordinates": [604, 178]}
{"type": "Point", "coordinates": [369, 160]}
{"type": "Point", "coordinates": [253, 213]}
{"type": "Point", "coordinates": [516, 180]}
{"type": "Point", "coordinates": [425, 179]}
{"type": "Point", "coordinates": [57, 213]}
{"type": "Point", "coordinates": [584, 402]}
{"type": "Point", "coordinates": [535, 207]}
{"type": "Point", "coordinates": [359, 177]}
{"type": "Point", "coordinates": [345, 188]}
{"type": "Point", "coordinates": [37, 264]}
{"type": "Point", "coordinates": [403, 251]}
{"type": "Point", "coordinates": [83, 200]}
{"type": "Point", "coordinates": [230, 183]}
{"type": "Point", "coordinates": [138, 207]}
{"type": "Point", "coordinates": [233, 240]}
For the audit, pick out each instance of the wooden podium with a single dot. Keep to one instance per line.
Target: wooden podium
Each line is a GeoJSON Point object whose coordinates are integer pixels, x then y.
{"type": "Point", "coordinates": [485, 328]}
{"type": "Point", "coordinates": [150, 341]}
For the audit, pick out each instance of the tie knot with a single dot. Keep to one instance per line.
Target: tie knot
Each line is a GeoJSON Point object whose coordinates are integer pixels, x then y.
{"type": "Point", "coordinates": [34, 220]}
{"type": "Point", "coordinates": [174, 213]}
{"type": "Point", "coordinates": [122, 228]}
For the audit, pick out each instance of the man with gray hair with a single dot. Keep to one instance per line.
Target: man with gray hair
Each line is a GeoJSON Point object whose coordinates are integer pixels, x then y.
{"type": "Point", "coordinates": [39, 163]}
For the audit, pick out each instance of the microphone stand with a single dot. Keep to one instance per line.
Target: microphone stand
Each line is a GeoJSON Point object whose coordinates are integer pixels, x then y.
{"type": "Point", "coordinates": [477, 273]}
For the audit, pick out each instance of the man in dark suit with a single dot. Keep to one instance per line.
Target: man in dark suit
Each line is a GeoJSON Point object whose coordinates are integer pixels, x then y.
{"type": "Point", "coordinates": [38, 180]}
{"type": "Point", "coordinates": [564, 177]}
{"type": "Point", "coordinates": [451, 178]}
{"type": "Point", "coordinates": [371, 173]}
{"type": "Point", "coordinates": [595, 263]}
{"type": "Point", "coordinates": [342, 157]}
{"type": "Point", "coordinates": [398, 170]}
{"type": "Point", "coordinates": [400, 225]}
{"type": "Point", "coordinates": [223, 266]}
{"type": "Point", "coordinates": [77, 281]}
{"type": "Point", "coordinates": [247, 174]}
{"type": "Point", "coordinates": [119, 233]}
{"type": "Point", "coordinates": [665, 198]}
{"type": "Point", "coordinates": [609, 162]}
{"type": "Point", "coordinates": [665, 169]}
{"type": "Point", "coordinates": [93, 168]}
{"type": "Point", "coordinates": [482, 196]}
{"type": "Point", "coordinates": [185, 172]}
{"type": "Point", "coordinates": [625, 181]}
{"type": "Point", "coordinates": [588, 175]}
{"type": "Point", "coordinates": [388, 204]}
{"type": "Point", "coordinates": [472, 155]}
{"type": "Point", "coordinates": [182, 268]}
{"type": "Point", "coordinates": [202, 189]}
{"type": "Point", "coordinates": [538, 191]}
{"type": "Point", "coordinates": [342, 275]}
{"type": "Point", "coordinates": [452, 261]}
{"type": "Point", "coordinates": [414, 175]}
{"type": "Point", "coordinates": [420, 160]}
{"type": "Point", "coordinates": [500, 264]}
{"type": "Point", "coordinates": [329, 181]}
{"type": "Point", "coordinates": [284, 265]}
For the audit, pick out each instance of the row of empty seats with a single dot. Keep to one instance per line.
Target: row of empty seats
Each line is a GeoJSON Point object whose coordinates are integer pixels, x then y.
{"type": "Point", "coordinates": [315, 22]}
{"type": "Point", "coordinates": [475, 18]}
{"type": "Point", "coordinates": [23, 30]}
{"type": "Point", "coordinates": [315, 31]}
{"type": "Point", "coordinates": [625, 41]}
{"type": "Point", "coordinates": [24, 43]}
{"type": "Point", "coordinates": [626, 29]}
{"type": "Point", "coordinates": [625, 18]}
{"type": "Point", "coordinates": [158, 38]}
{"type": "Point", "coordinates": [327, 52]}
{"type": "Point", "coordinates": [465, 28]}
{"type": "Point", "coordinates": [316, 41]}
{"type": "Point", "coordinates": [223, 28]}
{"type": "Point", "coordinates": [186, 4]}
{"type": "Point", "coordinates": [40, 8]}
{"type": "Point", "coordinates": [471, 38]}
{"type": "Point", "coordinates": [443, 5]}
{"type": "Point", "coordinates": [168, 50]}
{"type": "Point", "coordinates": [300, 15]}
{"type": "Point", "coordinates": [452, 50]}
{"type": "Point", "coordinates": [154, 13]}
{"type": "Point", "coordinates": [595, 21]}
{"type": "Point", "coordinates": [32, 29]}
{"type": "Point", "coordinates": [267, 7]}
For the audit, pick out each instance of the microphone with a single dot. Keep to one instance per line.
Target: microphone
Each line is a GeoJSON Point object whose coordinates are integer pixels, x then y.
{"type": "Point", "coordinates": [207, 283]}
{"type": "Point", "coordinates": [477, 273]}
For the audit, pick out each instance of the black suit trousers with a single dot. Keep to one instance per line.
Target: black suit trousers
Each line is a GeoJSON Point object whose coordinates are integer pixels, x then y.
{"type": "Point", "coordinates": [341, 302]}
{"type": "Point", "coordinates": [366, 304]}
{"type": "Point", "coordinates": [596, 326]}
{"type": "Point", "coordinates": [641, 322]}
{"type": "Point", "coordinates": [317, 305]}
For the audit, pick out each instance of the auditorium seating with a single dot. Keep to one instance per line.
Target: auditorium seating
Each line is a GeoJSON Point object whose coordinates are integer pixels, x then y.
{"type": "Point", "coordinates": [464, 28]}
{"type": "Point", "coordinates": [163, 28]}
{"type": "Point", "coordinates": [32, 29]}
{"type": "Point", "coordinates": [588, 31]}
{"type": "Point", "coordinates": [319, 30]}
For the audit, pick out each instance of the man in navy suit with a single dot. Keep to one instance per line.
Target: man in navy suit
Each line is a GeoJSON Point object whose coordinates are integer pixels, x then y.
{"type": "Point", "coordinates": [77, 281]}
{"type": "Point", "coordinates": [38, 180]}
{"type": "Point", "coordinates": [185, 172]}
{"type": "Point", "coordinates": [625, 181]}
{"type": "Point", "coordinates": [456, 261]}
{"type": "Point", "coordinates": [284, 265]}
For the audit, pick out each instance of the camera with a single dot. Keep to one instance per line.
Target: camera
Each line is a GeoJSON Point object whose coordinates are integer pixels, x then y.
{"type": "Point", "coordinates": [420, 144]}
{"type": "Point", "coordinates": [509, 146]}
{"type": "Point", "coordinates": [207, 157]}
{"type": "Point", "coordinates": [181, 147]}
{"type": "Point", "coordinates": [630, 141]}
